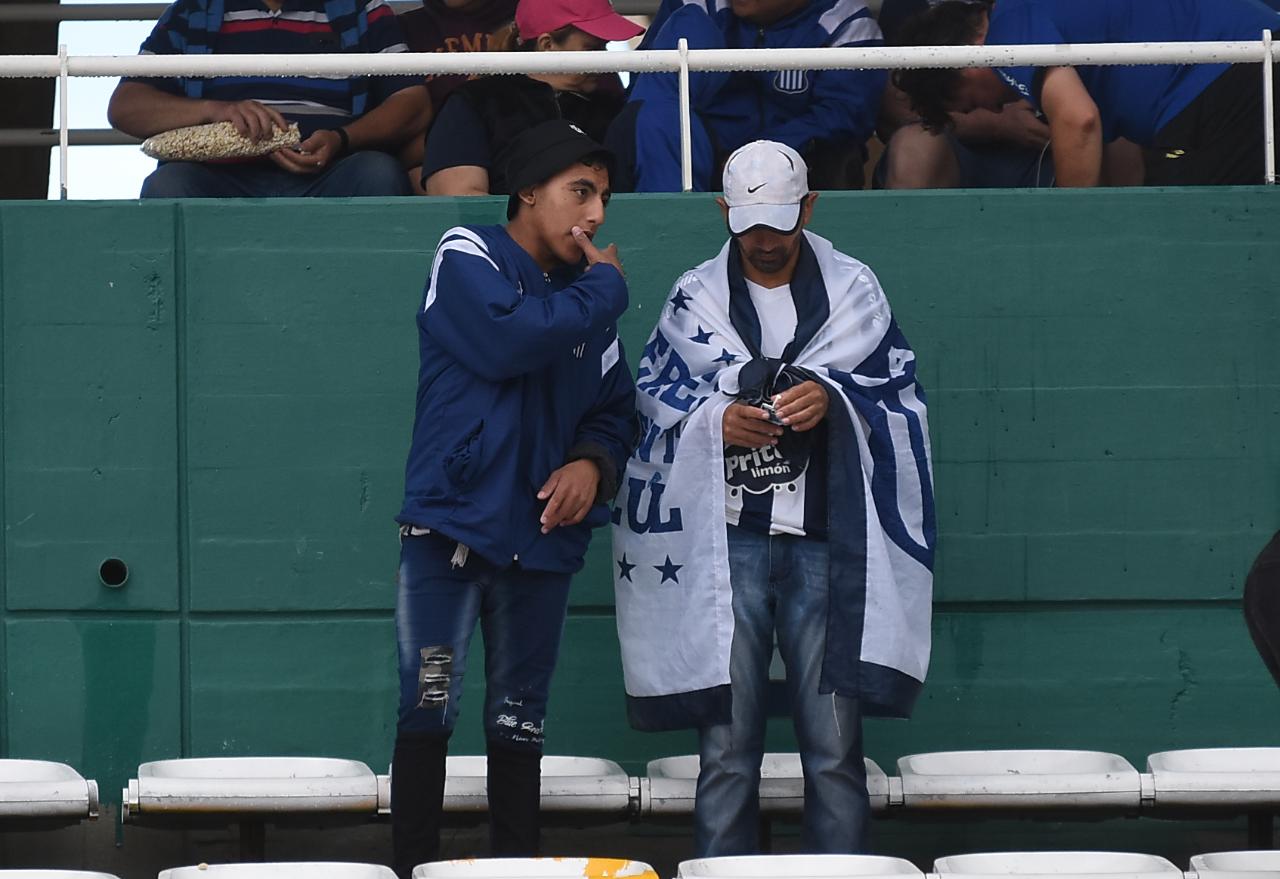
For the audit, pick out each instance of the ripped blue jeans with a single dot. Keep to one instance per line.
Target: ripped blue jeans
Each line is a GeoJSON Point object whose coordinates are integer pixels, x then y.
{"type": "Point", "coordinates": [521, 614]}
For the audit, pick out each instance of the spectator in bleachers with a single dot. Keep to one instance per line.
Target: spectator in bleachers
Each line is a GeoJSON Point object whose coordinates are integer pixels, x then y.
{"type": "Point", "coordinates": [350, 128]}
{"type": "Point", "coordinates": [1199, 124]}
{"type": "Point", "coordinates": [645, 137]}
{"type": "Point", "coordinates": [980, 149]}
{"type": "Point", "coordinates": [449, 26]}
{"type": "Point", "coordinates": [1262, 605]}
{"type": "Point", "coordinates": [525, 418]}
{"type": "Point", "coordinates": [825, 115]}
{"type": "Point", "coordinates": [454, 26]}
{"type": "Point", "coordinates": [751, 512]}
{"type": "Point", "coordinates": [484, 115]}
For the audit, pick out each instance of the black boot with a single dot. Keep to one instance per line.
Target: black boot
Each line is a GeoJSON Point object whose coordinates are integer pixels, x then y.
{"type": "Point", "coordinates": [515, 782]}
{"type": "Point", "coordinates": [417, 799]}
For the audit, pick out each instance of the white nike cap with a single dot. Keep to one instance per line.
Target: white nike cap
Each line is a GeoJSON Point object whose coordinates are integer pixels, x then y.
{"type": "Point", "coordinates": [764, 185]}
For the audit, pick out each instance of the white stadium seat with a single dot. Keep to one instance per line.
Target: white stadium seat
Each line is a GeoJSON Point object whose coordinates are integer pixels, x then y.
{"type": "Point", "coordinates": [1236, 865]}
{"type": "Point", "coordinates": [249, 785]}
{"type": "Point", "coordinates": [1233, 777]}
{"type": "Point", "coordinates": [1019, 779]}
{"type": "Point", "coordinates": [535, 868]}
{"type": "Point", "coordinates": [797, 867]}
{"type": "Point", "coordinates": [1055, 865]}
{"type": "Point", "coordinates": [569, 784]}
{"type": "Point", "coordinates": [299, 870]}
{"type": "Point", "coordinates": [672, 782]}
{"type": "Point", "coordinates": [41, 789]}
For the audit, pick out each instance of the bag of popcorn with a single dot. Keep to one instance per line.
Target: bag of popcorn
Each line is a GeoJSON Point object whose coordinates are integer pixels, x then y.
{"type": "Point", "coordinates": [217, 141]}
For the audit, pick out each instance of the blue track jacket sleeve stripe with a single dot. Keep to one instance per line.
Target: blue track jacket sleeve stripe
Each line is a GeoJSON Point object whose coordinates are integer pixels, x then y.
{"type": "Point", "coordinates": [483, 319]}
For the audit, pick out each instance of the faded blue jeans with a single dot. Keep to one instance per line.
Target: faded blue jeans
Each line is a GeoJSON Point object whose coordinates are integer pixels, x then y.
{"type": "Point", "coordinates": [780, 584]}
{"type": "Point", "coordinates": [521, 614]}
{"type": "Point", "coordinates": [362, 173]}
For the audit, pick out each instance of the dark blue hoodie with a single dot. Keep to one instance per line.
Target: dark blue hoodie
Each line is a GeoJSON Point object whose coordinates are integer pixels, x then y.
{"type": "Point", "coordinates": [520, 372]}
{"type": "Point", "coordinates": [795, 107]}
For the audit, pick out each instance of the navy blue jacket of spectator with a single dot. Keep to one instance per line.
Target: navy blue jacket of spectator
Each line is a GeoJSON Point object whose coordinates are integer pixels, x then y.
{"type": "Point", "coordinates": [520, 373]}
{"type": "Point", "coordinates": [796, 107]}
{"type": "Point", "coordinates": [1134, 101]}
{"type": "Point", "coordinates": [645, 137]}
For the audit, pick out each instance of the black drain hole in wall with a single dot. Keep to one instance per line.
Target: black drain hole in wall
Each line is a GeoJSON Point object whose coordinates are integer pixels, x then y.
{"type": "Point", "coordinates": [113, 573]}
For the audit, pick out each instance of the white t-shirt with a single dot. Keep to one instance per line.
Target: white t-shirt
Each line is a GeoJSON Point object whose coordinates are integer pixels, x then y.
{"type": "Point", "coordinates": [777, 312]}
{"type": "Point", "coordinates": [762, 472]}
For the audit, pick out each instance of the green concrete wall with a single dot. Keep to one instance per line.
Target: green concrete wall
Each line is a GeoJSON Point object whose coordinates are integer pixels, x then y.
{"type": "Point", "coordinates": [220, 394]}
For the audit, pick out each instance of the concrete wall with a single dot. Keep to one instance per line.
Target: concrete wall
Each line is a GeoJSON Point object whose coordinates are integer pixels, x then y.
{"type": "Point", "coordinates": [219, 394]}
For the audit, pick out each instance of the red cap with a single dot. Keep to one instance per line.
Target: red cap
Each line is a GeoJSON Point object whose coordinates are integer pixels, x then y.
{"type": "Point", "coordinates": [596, 17]}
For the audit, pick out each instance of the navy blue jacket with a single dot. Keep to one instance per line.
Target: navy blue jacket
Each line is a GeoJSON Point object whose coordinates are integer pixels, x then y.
{"type": "Point", "coordinates": [1134, 101]}
{"type": "Point", "coordinates": [796, 107]}
{"type": "Point", "coordinates": [520, 373]}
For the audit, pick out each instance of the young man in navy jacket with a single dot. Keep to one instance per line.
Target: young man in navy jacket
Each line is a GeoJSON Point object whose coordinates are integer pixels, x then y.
{"type": "Point", "coordinates": [525, 418]}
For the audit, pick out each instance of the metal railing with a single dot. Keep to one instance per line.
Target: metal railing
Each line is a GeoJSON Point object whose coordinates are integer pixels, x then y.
{"type": "Point", "coordinates": [681, 61]}
{"type": "Point", "coordinates": [38, 137]}
{"type": "Point", "coordinates": [47, 12]}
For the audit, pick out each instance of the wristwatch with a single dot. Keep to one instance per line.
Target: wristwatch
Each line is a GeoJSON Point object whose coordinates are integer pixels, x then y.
{"type": "Point", "coordinates": [345, 147]}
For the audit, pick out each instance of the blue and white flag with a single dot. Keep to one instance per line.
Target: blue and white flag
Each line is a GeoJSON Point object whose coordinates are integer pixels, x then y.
{"type": "Point", "coordinates": [671, 571]}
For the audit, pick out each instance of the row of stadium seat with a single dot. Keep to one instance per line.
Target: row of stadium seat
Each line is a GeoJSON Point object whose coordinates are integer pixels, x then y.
{"type": "Point", "coordinates": [1005, 865]}
{"type": "Point", "coordinates": [1231, 779]}
{"type": "Point", "coordinates": [1226, 779]}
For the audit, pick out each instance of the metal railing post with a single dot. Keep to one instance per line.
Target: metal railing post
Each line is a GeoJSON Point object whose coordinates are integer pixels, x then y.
{"type": "Point", "coordinates": [63, 101]}
{"type": "Point", "coordinates": [1268, 112]}
{"type": "Point", "coordinates": [686, 122]}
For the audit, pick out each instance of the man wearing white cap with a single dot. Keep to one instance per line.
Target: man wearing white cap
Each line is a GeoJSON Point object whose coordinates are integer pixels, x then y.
{"type": "Point", "coordinates": [781, 488]}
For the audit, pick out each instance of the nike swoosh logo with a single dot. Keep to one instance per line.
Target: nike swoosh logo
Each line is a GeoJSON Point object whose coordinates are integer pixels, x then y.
{"type": "Point", "coordinates": [754, 188]}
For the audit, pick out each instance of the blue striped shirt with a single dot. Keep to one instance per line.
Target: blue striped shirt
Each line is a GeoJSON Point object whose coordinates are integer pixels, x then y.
{"type": "Point", "coordinates": [250, 27]}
